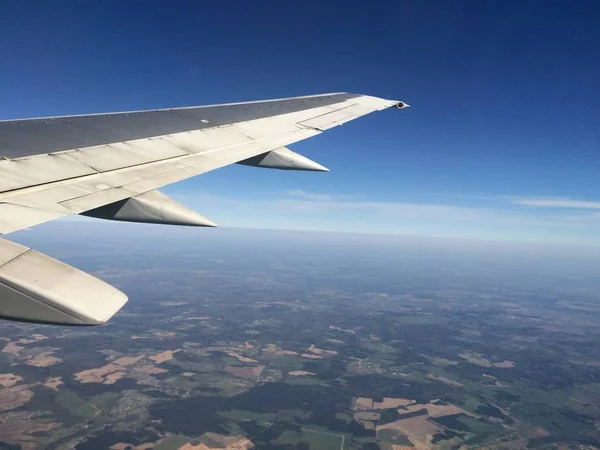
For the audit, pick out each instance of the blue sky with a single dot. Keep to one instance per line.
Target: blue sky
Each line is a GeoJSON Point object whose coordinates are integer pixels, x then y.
{"type": "Point", "coordinates": [502, 140]}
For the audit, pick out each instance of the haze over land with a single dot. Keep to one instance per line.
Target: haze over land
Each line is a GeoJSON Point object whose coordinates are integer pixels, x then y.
{"type": "Point", "coordinates": [288, 340]}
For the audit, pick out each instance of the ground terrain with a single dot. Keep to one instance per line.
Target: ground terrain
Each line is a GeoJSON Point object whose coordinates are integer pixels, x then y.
{"type": "Point", "coordinates": [322, 347]}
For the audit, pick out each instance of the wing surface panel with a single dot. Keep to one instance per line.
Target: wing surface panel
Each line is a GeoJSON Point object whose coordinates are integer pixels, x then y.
{"type": "Point", "coordinates": [20, 138]}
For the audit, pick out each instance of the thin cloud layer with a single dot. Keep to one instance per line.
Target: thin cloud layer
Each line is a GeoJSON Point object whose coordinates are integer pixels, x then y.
{"type": "Point", "coordinates": [510, 218]}
{"type": "Point", "coordinates": [557, 203]}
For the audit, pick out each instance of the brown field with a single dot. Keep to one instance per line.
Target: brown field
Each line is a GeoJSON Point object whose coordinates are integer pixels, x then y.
{"type": "Point", "coordinates": [12, 348]}
{"type": "Point", "coordinates": [224, 443]}
{"type": "Point", "coordinates": [9, 379]}
{"type": "Point", "coordinates": [164, 334]}
{"type": "Point", "coordinates": [366, 415]}
{"type": "Point", "coordinates": [475, 358]}
{"type": "Point", "coordinates": [412, 408]}
{"type": "Point", "coordinates": [389, 402]}
{"type": "Point", "coordinates": [53, 382]}
{"type": "Point", "coordinates": [540, 432]}
{"type": "Point", "coordinates": [436, 410]}
{"type": "Point", "coordinates": [365, 403]}
{"type": "Point", "coordinates": [38, 337]}
{"type": "Point", "coordinates": [480, 360]}
{"type": "Point", "coordinates": [320, 351]}
{"type": "Point", "coordinates": [13, 397]}
{"type": "Point", "coordinates": [151, 370]}
{"type": "Point", "coordinates": [419, 430]}
{"type": "Point", "coordinates": [443, 362]}
{"type": "Point", "coordinates": [504, 364]}
{"type": "Point", "coordinates": [164, 356]}
{"type": "Point", "coordinates": [247, 372]}
{"type": "Point", "coordinates": [331, 327]}
{"type": "Point", "coordinates": [306, 355]}
{"type": "Point", "coordinates": [362, 403]}
{"type": "Point", "coordinates": [300, 373]}
{"type": "Point", "coordinates": [113, 377]}
{"type": "Point", "coordinates": [43, 359]}
{"type": "Point", "coordinates": [123, 446]}
{"type": "Point", "coordinates": [272, 348]}
{"type": "Point", "coordinates": [241, 358]}
{"type": "Point", "coordinates": [127, 360]}
{"type": "Point", "coordinates": [34, 338]}
{"type": "Point", "coordinates": [246, 345]}
{"type": "Point", "coordinates": [367, 424]}
{"type": "Point", "coordinates": [96, 375]}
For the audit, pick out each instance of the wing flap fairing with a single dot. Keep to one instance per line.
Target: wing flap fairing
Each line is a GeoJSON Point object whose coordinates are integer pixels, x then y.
{"type": "Point", "coordinates": [284, 159]}
{"type": "Point", "coordinates": [151, 207]}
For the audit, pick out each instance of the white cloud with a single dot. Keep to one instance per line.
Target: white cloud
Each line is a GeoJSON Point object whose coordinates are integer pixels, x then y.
{"type": "Point", "coordinates": [324, 203]}
{"type": "Point", "coordinates": [316, 197]}
{"type": "Point", "coordinates": [557, 203]}
{"type": "Point", "coordinates": [299, 209]}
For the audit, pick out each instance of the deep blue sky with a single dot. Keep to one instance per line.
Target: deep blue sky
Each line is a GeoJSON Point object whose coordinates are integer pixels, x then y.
{"type": "Point", "coordinates": [502, 140]}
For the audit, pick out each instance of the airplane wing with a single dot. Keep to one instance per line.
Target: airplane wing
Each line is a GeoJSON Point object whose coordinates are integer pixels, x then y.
{"type": "Point", "coordinates": [110, 166]}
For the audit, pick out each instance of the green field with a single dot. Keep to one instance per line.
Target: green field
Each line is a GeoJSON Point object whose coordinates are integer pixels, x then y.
{"type": "Point", "coordinates": [305, 381]}
{"type": "Point", "coordinates": [317, 440]}
{"type": "Point", "coordinates": [238, 414]}
{"type": "Point", "coordinates": [105, 401]}
{"type": "Point", "coordinates": [76, 405]}
{"type": "Point", "coordinates": [288, 362]}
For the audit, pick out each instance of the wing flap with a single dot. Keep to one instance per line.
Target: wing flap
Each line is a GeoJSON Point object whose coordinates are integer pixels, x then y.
{"type": "Point", "coordinates": [350, 111]}
{"type": "Point", "coordinates": [328, 120]}
{"type": "Point", "coordinates": [40, 169]}
{"type": "Point", "coordinates": [37, 288]}
{"type": "Point", "coordinates": [16, 217]}
{"type": "Point", "coordinates": [203, 141]}
{"type": "Point", "coordinates": [126, 154]}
